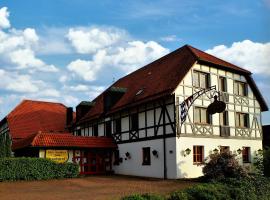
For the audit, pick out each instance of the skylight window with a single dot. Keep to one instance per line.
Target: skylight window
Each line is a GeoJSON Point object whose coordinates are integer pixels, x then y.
{"type": "Point", "coordinates": [139, 92]}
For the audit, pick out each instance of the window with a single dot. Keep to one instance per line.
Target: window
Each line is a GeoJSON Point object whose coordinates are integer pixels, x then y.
{"type": "Point", "coordinates": [79, 133]}
{"type": "Point", "coordinates": [117, 125]}
{"type": "Point", "coordinates": [242, 120]}
{"type": "Point", "coordinates": [200, 79]}
{"type": "Point", "coordinates": [246, 154]}
{"type": "Point", "coordinates": [224, 149]}
{"type": "Point", "coordinates": [240, 88]}
{"type": "Point", "coordinates": [108, 128]}
{"type": "Point", "coordinates": [224, 121]}
{"type": "Point", "coordinates": [222, 84]}
{"type": "Point", "coordinates": [201, 116]}
{"type": "Point", "coordinates": [146, 156]}
{"type": "Point", "coordinates": [198, 154]}
{"type": "Point", "coordinates": [95, 130]}
{"type": "Point", "coordinates": [134, 122]}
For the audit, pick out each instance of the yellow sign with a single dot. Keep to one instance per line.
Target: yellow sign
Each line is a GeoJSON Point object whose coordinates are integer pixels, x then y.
{"type": "Point", "coordinates": [59, 156]}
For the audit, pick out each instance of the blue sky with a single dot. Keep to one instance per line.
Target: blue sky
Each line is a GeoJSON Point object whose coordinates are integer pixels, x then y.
{"type": "Point", "coordinates": [71, 50]}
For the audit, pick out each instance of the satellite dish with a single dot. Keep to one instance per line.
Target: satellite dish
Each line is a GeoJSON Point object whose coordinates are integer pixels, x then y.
{"type": "Point", "coordinates": [216, 107]}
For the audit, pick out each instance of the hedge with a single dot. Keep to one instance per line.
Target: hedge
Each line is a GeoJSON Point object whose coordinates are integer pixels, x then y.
{"type": "Point", "coordinates": [253, 188]}
{"type": "Point", "coordinates": [13, 169]}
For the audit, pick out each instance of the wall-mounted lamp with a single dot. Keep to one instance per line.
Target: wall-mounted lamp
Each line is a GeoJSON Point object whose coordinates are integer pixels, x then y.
{"type": "Point", "coordinates": [239, 151]}
{"type": "Point", "coordinates": [215, 151]}
{"type": "Point", "coordinates": [260, 151]}
{"type": "Point", "coordinates": [127, 155]}
{"type": "Point", "coordinates": [187, 152]}
{"type": "Point", "coordinates": [155, 153]}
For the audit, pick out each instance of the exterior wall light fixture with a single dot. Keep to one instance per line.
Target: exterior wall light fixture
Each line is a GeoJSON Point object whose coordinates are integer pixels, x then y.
{"type": "Point", "coordinates": [127, 155]}
{"type": "Point", "coordinates": [239, 151]}
{"type": "Point", "coordinates": [260, 151]}
{"type": "Point", "coordinates": [155, 153]}
{"type": "Point", "coordinates": [215, 151]}
{"type": "Point", "coordinates": [187, 152]}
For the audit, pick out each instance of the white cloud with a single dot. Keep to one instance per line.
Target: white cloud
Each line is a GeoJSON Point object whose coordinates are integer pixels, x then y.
{"type": "Point", "coordinates": [79, 88]}
{"type": "Point", "coordinates": [25, 59]}
{"type": "Point", "coordinates": [49, 93]}
{"type": "Point", "coordinates": [84, 69]}
{"type": "Point", "coordinates": [53, 41]}
{"type": "Point", "coordinates": [250, 55]}
{"type": "Point", "coordinates": [90, 40]}
{"type": "Point", "coordinates": [17, 47]}
{"type": "Point", "coordinates": [18, 83]}
{"type": "Point", "coordinates": [170, 38]}
{"type": "Point", "coordinates": [4, 14]}
{"type": "Point", "coordinates": [126, 55]}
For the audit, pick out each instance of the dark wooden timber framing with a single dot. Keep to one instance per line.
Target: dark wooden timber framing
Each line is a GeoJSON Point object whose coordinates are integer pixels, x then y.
{"type": "Point", "coordinates": [134, 135]}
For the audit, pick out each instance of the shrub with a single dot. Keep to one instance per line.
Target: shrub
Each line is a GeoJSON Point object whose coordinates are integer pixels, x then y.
{"type": "Point", "coordinates": [35, 169]}
{"type": "Point", "coordinates": [251, 188]}
{"type": "Point", "coordinates": [223, 165]}
{"type": "Point", "coordinates": [143, 197]}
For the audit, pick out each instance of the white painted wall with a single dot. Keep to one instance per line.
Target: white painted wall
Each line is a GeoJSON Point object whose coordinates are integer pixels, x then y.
{"type": "Point", "coordinates": [133, 166]}
{"type": "Point", "coordinates": [185, 166]}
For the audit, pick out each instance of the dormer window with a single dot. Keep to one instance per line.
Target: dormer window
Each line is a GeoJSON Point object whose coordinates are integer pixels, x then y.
{"type": "Point", "coordinates": [201, 79]}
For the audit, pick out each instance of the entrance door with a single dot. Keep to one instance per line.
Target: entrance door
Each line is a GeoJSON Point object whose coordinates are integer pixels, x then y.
{"type": "Point", "coordinates": [94, 162]}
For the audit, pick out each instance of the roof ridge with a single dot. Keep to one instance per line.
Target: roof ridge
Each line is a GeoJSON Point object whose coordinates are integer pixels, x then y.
{"type": "Point", "coordinates": [43, 101]}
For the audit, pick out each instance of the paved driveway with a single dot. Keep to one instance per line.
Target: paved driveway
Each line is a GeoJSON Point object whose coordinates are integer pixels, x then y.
{"type": "Point", "coordinates": [95, 187]}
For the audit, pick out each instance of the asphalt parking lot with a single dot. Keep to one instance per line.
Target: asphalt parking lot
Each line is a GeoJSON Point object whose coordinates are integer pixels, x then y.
{"type": "Point", "coordinates": [92, 187]}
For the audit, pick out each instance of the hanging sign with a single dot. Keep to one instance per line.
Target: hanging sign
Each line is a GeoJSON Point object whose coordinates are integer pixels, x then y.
{"type": "Point", "coordinates": [59, 156]}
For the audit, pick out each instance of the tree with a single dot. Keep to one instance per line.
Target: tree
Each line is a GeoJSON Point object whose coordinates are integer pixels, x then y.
{"type": "Point", "coordinates": [5, 145]}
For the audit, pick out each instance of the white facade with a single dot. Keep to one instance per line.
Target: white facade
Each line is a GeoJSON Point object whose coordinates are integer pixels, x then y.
{"type": "Point", "coordinates": [159, 123]}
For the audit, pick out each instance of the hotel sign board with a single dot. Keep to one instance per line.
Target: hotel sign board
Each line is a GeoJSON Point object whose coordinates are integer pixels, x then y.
{"type": "Point", "coordinates": [59, 156]}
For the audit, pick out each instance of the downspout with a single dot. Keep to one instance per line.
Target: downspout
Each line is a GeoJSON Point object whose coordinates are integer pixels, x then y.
{"type": "Point", "coordinates": [164, 144]}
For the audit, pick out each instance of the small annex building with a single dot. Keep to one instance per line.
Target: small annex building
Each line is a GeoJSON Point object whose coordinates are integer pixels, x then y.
{"type": "Point", "coordinates": [41, 129]}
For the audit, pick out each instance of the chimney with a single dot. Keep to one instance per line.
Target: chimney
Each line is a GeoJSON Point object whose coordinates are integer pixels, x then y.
{"type": "Point", "coordinates": [69, 116]}
{"type": "Point", "coordinates": [83, 108]}
{"type": "Point", "coordinates": [111, 96]}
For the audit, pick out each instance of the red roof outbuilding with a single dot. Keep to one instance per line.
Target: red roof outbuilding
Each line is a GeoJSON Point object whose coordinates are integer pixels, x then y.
{"type": "Point", "coordinates": [65, 140]}
{"type": "Point", "coordinates": [29, 117]}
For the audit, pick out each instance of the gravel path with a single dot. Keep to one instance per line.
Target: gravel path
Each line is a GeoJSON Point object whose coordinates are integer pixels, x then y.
{"type": "Point", "coordinates": [93, 188]}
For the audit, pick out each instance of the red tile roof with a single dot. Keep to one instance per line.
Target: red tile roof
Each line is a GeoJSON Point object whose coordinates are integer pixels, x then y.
{"type": "Point", "coordinates": [66, 140]}
{"type": "Point", "coordinates": [202, 56]}
{"type": "Point", "coordinates": [29, 117]}
{"type": "Point", "coordinates": [161, 77]}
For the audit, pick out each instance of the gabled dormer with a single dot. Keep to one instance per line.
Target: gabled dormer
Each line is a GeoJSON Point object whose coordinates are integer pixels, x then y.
{"type": "Point", "coordinates": [111, 96]}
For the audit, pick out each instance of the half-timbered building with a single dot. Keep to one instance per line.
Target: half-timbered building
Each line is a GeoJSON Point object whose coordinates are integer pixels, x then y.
{"type": "Point", "coordinates": [142, 113]}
